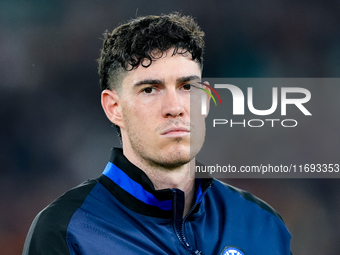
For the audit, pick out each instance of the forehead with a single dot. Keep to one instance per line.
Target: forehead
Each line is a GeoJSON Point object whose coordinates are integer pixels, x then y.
{"type": "Point", "coordinates": [167, 68]}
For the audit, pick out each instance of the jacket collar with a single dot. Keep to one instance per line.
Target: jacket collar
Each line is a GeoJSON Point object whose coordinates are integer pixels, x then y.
{"type": "Point", "coordinates": [131, 186]}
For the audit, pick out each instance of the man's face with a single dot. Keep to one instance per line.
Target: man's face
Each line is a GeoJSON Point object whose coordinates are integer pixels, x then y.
{"type": "Point", "coordinates": [155, 107]}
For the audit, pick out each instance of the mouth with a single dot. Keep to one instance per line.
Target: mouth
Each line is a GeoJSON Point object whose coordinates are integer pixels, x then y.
{"type": "Point", "coordinates": [176, 132]}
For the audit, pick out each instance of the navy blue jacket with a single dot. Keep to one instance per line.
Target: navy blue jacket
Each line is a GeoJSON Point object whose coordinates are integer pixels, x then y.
{"type": "Point", "coordinates": [121, 213]}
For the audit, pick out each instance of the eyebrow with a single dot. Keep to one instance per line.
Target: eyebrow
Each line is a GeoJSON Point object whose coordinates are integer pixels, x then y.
{"type": "Point", "coordinates": [188, 78]}
{"type": "Point", "coordinates": [156, 81]}
{"type": "Point", "coordinates": [148, 81]}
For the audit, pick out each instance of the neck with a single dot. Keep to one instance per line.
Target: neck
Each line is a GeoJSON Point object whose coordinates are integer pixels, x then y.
{"type": "Point", "coordinates": [174, 178]}
{"type": "Point", "coordinates": [164, 178]}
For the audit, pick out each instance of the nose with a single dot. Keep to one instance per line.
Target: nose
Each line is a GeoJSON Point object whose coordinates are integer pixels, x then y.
{"type": "Point", "coordinates": [172, 105]}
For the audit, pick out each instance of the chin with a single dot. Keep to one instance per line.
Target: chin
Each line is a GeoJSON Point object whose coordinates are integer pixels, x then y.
{"type": "Point", "coordinates": [175, 157]}
{"type": "Point", "coordinates": [170, 164]}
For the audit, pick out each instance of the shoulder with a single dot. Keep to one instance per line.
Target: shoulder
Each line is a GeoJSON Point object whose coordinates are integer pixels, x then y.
{"type": "Point", "coordinates": [246, 215]}
{"type": "Point", "coordinates": [62, 209]}
{"type": "Point", "coordinates": [245, 221]}
{"type": "Point", "coordinates": [48, 230]}
{"type": "Point", "coordinates": [242, 199]}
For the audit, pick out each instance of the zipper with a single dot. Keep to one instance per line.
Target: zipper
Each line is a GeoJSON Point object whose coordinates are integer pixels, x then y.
{"type": "Point", "coordinates": [180, 233]}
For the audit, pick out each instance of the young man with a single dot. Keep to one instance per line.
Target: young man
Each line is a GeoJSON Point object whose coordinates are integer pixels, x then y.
{"type": "Point", "coordinates": [145, 201]}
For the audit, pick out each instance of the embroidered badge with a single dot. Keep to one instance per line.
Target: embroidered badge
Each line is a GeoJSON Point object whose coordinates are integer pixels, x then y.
{"type": "Point", "coordinates": [232, 250]}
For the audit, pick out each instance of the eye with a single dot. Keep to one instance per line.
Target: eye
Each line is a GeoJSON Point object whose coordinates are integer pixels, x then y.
{"type": "Point", "coordinates": [187, 86]}
{"type": "Point", "coordinates": [148, 90]}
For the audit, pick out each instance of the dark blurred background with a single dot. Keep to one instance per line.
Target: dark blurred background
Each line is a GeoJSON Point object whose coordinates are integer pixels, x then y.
{"type": "Point", "coordinates": [54, 134]}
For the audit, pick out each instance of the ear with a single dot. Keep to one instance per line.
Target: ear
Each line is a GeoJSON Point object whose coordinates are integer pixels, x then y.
{"type": "Point", "coordinates": [112, 108]}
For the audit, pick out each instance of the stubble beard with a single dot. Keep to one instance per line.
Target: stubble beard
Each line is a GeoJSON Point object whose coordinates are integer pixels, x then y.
{"type": "Point", "coordinates": [166, 159]}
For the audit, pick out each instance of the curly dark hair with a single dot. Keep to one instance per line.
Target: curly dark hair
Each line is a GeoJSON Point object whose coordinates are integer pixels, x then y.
{"type": "Point", "coordinates": [140, 40]}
